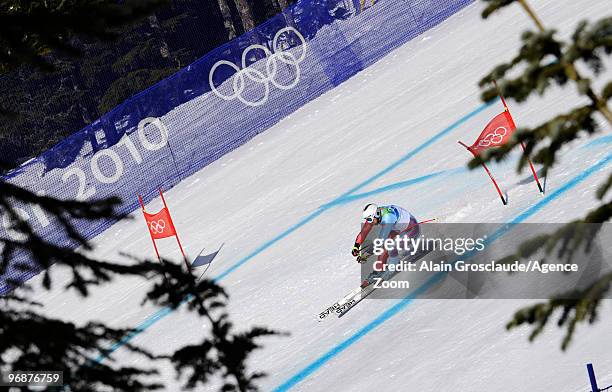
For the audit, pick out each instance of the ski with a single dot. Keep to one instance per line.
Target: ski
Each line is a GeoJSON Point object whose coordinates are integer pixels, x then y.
{"type": "Point", "coordinates": [339, 305]}
{"type": "Point", "coordinates": [363, 294]}
{"type": "Point", "coordinates": [348, 299]}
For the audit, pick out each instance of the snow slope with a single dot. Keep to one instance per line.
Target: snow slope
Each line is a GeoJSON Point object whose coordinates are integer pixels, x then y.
{"type": "Point", "coordinates": [287, 206]}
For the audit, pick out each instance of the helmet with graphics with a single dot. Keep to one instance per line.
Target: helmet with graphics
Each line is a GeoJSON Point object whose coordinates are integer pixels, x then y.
{"type": "Point", "coordinates": [370, 212]}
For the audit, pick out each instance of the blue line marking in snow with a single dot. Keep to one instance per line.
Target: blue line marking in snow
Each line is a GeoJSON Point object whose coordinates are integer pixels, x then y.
{"type": "Point", "coordinates": [124, 340]}
{"type": "Point", "coordinates": [374, 177]}
{"type": "Point", "coordinates": [155, 317]}
{"type": "Point", "coordinates": [391, 187]}
{"type": "Point", "coordinates": [167, 310]}
{"type": "Point", "coordinates": [269, 243]}
{"type": "Point", "coordinates": [392, 311]}
{"type": "Point", "coordinates": [599, 141]}
{"type": "Point", "coordinates": [410, 154]}
{"type": "Point", "coordinates": [319, 362]}
{"type": "Point", "coordinates": [419, 148]}
{"type": "Point", "coordinates": [163, 312]}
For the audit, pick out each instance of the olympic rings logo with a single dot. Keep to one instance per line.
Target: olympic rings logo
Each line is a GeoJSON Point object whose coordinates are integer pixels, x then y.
{"type": "Point", "coordinates": [157, 227]}
{"type": "Point", "coordinates": [257, 76]}
{"type": "Point", "coordinates": [494, 137]}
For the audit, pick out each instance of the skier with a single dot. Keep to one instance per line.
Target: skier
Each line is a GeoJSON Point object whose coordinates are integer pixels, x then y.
{"type": "Point", "coordinates": [395, 220]}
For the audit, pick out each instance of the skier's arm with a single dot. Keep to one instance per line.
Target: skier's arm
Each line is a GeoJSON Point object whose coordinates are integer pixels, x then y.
{"type": "Point", "coordinates": [365, 230]}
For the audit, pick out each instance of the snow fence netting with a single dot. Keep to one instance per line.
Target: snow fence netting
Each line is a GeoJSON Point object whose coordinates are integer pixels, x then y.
{"type": "Point", "coordinates": [174, 128]}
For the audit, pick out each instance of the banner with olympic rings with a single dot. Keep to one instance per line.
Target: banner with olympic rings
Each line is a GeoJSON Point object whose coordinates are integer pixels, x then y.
{"type": "Point", "coordinates": [171, 130]}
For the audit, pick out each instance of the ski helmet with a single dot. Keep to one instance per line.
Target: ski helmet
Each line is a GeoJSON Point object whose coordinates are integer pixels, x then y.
{"type": "Point", "coordinates": [370, 211]}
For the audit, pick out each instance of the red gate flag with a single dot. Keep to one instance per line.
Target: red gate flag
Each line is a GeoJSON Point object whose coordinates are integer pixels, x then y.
{"type": "Point", "coordinates": [497, 132]}
{"type": "Point", "coordinates": [160, 224]}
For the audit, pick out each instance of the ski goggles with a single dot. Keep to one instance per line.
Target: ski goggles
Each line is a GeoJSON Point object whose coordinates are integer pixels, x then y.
{"type": "Point", "coordinates": [370, 219]}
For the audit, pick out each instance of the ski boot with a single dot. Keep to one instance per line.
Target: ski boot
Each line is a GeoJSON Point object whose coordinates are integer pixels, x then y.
{"type": "Point", "coordinates": [370, 279]}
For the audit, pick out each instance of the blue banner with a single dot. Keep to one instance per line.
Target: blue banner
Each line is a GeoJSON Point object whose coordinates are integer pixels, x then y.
{"type": "Point", "coordinates": [181, 124]}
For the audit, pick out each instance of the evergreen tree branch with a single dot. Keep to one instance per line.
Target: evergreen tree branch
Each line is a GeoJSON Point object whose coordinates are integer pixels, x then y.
{"type": "Point", "coordinates": [225, 352]}
{"type": "Point", "coordinates": [579, 306]}
{"type": "Point", "coordinates": [586, 43]}
{"type": "Point", "coordinates": [589, 42]}
{"type": "Point", "coordinates": [33, 33]}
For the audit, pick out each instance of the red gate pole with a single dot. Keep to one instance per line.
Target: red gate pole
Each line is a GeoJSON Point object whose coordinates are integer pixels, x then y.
{"type": "Point", "coordinates": [535, 175]}
{"type": "Point", "coordinates": [175, 232]}
{"type": "Point", "coordinates": [499, 192]}
{"type": "Point", "coordinates": [494, 183]}
{"type": "Point", "coordinates": [533, 172]}
{"type": "Point", "coordinates": [154, 244]}
{"type": "Point", "coordinates": [149, 230]}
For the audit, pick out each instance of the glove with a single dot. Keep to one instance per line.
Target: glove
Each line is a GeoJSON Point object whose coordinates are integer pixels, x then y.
{"type": "Point", "coordinates": [356, 249]}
